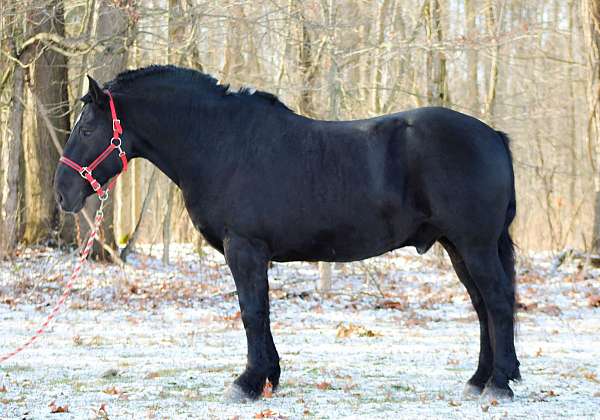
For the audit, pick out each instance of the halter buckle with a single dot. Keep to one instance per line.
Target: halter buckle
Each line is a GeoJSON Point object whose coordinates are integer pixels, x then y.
{"type": "Point", "coordinates": [116, 125]}
{"type": "Point", "coordinates": [85, 171]}
{"type": "Point", "coordinates": [95, 185]}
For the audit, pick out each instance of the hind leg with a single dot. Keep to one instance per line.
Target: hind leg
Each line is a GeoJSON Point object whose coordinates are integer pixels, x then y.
{"type": "Point", "coordinates": [484, 265]}
{"type": "Point", "coordinates": [476, 384]}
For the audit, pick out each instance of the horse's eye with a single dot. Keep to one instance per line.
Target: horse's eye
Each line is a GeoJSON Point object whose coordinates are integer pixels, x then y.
{"type": "Point", "coordinates": [86, 131]}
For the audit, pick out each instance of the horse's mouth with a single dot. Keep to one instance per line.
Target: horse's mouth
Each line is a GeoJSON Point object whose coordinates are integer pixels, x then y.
{"type": "Point", "coordinates": [70, 206]}
{"type": "Point", "coordinates": [75, 209]}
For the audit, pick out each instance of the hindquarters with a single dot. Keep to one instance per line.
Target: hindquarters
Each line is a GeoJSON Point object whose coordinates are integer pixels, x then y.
{"type": "Point", "coordinates": [466, 175]}
{"type": "Point", "coordinates": [460, 173]}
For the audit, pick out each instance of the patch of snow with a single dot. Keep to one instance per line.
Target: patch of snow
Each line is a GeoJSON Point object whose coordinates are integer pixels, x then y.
{"type": "Point", "coordinates": [173, 336]}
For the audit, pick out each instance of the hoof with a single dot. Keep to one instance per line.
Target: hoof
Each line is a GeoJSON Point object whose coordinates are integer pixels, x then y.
{"type": "Point", "coordinates": [471, 392]}
{"type": "Point", "coordinates": [235, 394]}
{"type": "Point", "coordinates": [494, 395]}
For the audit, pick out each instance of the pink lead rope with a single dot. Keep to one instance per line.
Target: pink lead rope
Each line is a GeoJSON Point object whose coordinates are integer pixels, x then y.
{"type": "Point", "coordinates": [68, 287]}
{"type": "Point", "coordinates": [86, 173]}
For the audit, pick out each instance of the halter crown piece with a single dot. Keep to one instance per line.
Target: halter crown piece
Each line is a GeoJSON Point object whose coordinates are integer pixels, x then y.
{"type": "Point", "coordinates": [115, 144]}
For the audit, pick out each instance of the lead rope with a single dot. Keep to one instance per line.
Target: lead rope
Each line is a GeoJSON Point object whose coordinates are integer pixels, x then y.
{"type": "Point", "coordinates": [82, 258]}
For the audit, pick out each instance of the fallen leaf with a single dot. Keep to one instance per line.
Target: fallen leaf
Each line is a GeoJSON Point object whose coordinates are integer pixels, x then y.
{"type": "Point", "coordinates": [58, 408]}
{"type": "Point", "coordinates": [551, 310]}
{"type": "Point", "coordinates": [268, 414]}
{"type": "Point", "coordinates": [324, 386]}
{"type": "Point", "coordinates": [235, 316]}
{"type": "Point", "coordinates": [268, 390]}
{"type": "Point", "coordinates": [112, 391]}
{"type": "Point", "coordinates": [453, 403]}
{"type": "Point", "coordinates": [101, 413]}
{"type": "Point", "coordinates": [392, 304]}
{"type": "Point", "coordinates": [526, 307]}
{"type": "Point", "coordinates": [345, 331]}
{"type": "Point", "coordinates": [594, 301]}
{"type": "Point", "coordinates": [3, 388]}
{"type": "Point", "coordinates": [152, 375]}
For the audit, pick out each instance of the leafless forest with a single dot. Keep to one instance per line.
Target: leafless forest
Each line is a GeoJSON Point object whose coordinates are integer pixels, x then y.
{"type": "Point", "coordinates": [391, 337]}
{"type": "Point", "coordinates": [530, 68]}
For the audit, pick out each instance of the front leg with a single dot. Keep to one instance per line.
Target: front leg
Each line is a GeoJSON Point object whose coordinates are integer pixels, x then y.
{"type": "Point", "coordinates": [248, 261]}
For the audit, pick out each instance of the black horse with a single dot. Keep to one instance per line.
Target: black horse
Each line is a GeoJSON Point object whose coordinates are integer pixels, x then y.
{"type": "Point", "coordinates": [262, 183]}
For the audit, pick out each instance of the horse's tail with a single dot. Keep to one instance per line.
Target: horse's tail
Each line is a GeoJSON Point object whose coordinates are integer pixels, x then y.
{"type": "Point", "coordinates": [506, 247]}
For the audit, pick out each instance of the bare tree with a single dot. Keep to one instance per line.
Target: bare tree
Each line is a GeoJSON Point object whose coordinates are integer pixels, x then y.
{"type": "Point", "coordinates": [472, 77]}
{"type": "Point", "coordinates": [518, 64]}
{"type": "Point", "coordinates": [13, 139]}
{"type": "Point", "coordinates": [49, 86]}
{"type": "Point", "coordinates": [592, 14]}
{"type": "Point", "coordinates": [490, 100]}
{"type": "Point", "coordinates": [437, 85]}
{"type": "Point", "coordinates": [114, 27]}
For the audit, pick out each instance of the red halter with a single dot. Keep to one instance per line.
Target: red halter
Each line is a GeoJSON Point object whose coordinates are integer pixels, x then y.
{"type": "Point", "coordinates": [115, 143]}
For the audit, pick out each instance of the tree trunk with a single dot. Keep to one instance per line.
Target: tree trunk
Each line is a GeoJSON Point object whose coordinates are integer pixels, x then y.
{"type": "Point", "coordinates": [437, 85]}
{"type": "Point", "coordinates": [472, 58]}
{"type": "Point", "coordinates": [591, 12]}
{"type": "Point", "coordinates": [166, 224]}
{"type": "Point", "coordinates": [176, 38]}
{"type": "Point", "coordinates": [377, 62]}
{"type": "Point", "coordinates": [573, 164]}
{"type": "Point", "coordinates": [12, 139]}
{"type": "Point", "coordinates": [324, 277]}
{"type": "Point", "coordinates": [49, 87]}
{"type": "Point", "coordinates": [11, 161]}
{"type": "Point", "coordinates": [150, 193]}
{"type": "Point", "coordinates": [490, 100]}
{"type": "Point", "coordinates": [113, 25]}
{"type": "Point", "coordinates": [307, 70]}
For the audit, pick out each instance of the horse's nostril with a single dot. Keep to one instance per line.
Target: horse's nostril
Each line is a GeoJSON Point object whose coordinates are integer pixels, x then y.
{"type": "Point", "coordinates": [59, 198]}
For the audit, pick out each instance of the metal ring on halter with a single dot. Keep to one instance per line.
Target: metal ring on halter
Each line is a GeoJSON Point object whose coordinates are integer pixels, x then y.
{"type": "Point", "coordinates": [116, 144]}
{"type": "Point", "coordinates": [84, 171]}
{"type": "Point", "coordinates": [103, 197]}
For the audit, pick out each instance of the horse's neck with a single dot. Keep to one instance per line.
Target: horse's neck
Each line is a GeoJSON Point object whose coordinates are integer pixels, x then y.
{"type": "Point", "coordinates": [198, 140]}
{"type": "Point", "coordinates": [157, 144]}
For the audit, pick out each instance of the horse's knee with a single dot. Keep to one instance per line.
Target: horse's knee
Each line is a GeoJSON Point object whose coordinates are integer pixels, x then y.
{"type": "Point", "coordinates": [255, 319]}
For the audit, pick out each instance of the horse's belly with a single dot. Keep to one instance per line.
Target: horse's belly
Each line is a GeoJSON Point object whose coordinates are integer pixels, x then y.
{"type": "Point", "coordinates": [344, 243]}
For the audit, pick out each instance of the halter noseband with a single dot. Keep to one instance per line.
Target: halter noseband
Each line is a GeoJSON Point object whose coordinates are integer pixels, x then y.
{"type": "Point", "coordinates": [115, 144]}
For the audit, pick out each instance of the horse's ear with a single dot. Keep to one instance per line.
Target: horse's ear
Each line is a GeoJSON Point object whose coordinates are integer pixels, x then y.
{"type": "Point", "coordinates": [98, 96]}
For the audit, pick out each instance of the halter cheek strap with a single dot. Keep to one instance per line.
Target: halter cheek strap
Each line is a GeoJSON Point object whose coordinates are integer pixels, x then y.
{"type": "Point", "coordinates": [86, 172]}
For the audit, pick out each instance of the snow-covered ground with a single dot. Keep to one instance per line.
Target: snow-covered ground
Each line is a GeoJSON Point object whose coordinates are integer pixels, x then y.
{"type": "Point", "coordinates": [154, 341]}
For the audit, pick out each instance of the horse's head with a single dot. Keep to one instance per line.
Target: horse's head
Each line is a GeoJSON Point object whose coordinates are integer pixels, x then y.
{"type": "Point", "coordinates": [90, 137]}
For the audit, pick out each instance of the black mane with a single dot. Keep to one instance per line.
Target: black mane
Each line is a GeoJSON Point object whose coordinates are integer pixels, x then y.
{"type": "Point", "coordinates": [186, 75]}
